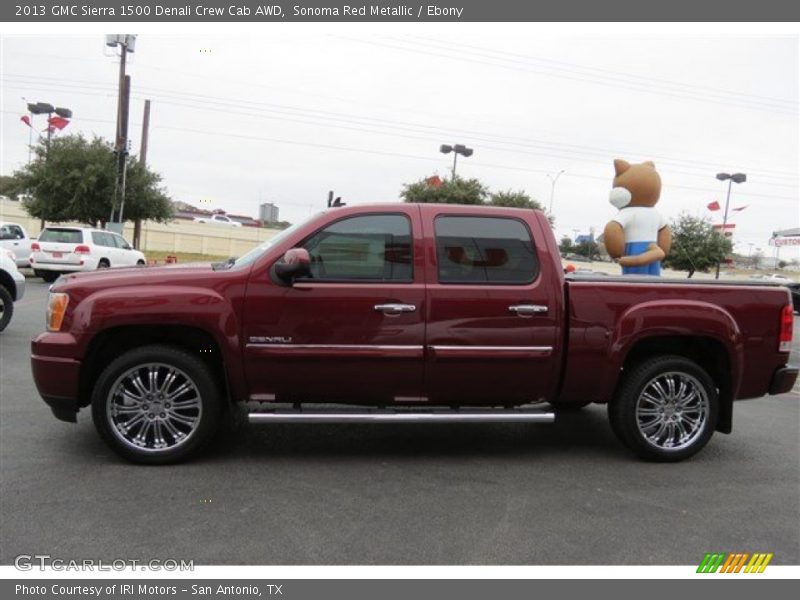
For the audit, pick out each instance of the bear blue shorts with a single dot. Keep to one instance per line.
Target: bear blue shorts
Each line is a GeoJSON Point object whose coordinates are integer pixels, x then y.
{"type": "Point", "coordinates": [634, 249]}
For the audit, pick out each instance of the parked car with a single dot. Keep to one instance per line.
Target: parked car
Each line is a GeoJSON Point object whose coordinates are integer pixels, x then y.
{"type": "Point", "coordinates": [62, 250]}
{"type": "Point", "coordinates": [218, 220]}
{"type": "Point", "coordinates": [14, 237]}
{"type": "Point", "coordinates": [407, 313]}
{"type": "Point", "coordinates": [12, 286]}
{"type": "Point", "coordinates": [772, 277]}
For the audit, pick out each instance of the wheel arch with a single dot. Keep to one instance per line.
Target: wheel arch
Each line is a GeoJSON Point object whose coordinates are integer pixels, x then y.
{"type": "Point", "coordinates": [110, 343]}
{"type": "Point", "coordinates": [708, 352]}
{"type": "Point", "coordinates": [8, 282]}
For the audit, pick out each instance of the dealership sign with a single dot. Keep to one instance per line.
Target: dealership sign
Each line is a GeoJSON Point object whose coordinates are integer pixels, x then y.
{"type": "Point", "coordinates": [785, 241]}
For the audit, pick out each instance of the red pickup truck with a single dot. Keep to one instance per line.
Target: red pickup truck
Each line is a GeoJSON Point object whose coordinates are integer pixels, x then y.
{"type": "Point", "coordinates": [406, 312]}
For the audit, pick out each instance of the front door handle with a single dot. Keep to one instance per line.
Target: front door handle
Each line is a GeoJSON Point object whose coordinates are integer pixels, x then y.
{"type": "Point", "coordinates": [528, 309]}
{"type": "Point", "coordinates": [395, 309]}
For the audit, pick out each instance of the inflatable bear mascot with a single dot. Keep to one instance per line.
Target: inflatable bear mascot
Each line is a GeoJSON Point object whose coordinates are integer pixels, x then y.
{"type": "Point", "coordinates": [638, 237]}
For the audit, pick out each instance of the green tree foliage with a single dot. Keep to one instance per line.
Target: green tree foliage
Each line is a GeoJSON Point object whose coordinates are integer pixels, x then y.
{"type": "Point", "coordinates": [565, 246]}
{"type": "Point", "coordinates": [458, 190]}
{"type": "Point", "coordinates": [9, 186]}
{"type": "Point", "coordinates": [451, 191]}
{"type": "Point", "coordinates": [587, 249]}
{"type": "Point", "coordinates": [696, 246]}
{"type": "Point", "coordinates": [513, 199]}
{"type": "Point", "coordinates": [75, 182]}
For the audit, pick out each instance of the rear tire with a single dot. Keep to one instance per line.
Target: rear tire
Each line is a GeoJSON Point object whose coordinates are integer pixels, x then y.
{"type": "Point", "coordinates": [666, 409]}
{"type": "Point", "coordinates": [156, 405]}
{"type": "Point", "coordinates": [103, 264]}
{"type": "Point", "coordinates": [49, 276]}
{"type": "Point", "coordinates": [6, 307]}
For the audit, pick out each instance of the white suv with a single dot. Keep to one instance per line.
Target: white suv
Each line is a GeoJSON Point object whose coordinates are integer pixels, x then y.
{"type": "Point", "coordinates": [70, 249]}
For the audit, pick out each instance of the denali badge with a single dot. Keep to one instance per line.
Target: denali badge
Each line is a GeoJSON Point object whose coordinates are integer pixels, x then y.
{"type": "Point", "coordinates": [259, 339]}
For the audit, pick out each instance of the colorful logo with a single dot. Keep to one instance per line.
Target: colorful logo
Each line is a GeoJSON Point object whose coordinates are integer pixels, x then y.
{"type": "Point", "coordinates": [734, 562]}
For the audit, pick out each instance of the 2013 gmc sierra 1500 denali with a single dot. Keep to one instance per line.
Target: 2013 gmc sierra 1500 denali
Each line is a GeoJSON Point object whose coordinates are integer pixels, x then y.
{"type": "Point", "coordinates": [406, 312]}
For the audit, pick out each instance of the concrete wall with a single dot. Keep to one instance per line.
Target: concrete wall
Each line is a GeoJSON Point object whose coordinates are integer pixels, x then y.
{"type": "Point", "coordinates": [177, 236]}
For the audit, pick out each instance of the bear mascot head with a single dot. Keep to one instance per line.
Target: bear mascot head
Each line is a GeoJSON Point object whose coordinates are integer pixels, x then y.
{"type": "Point", "coordinates": [638, 237]}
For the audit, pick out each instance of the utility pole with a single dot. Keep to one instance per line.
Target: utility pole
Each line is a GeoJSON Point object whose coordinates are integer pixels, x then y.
{"type": "Point", "coordinates": [126, 44]}
{"type": "Point", "coordinates": [137, 225]}
{"type": "Point", "coordinates": [122, 152]}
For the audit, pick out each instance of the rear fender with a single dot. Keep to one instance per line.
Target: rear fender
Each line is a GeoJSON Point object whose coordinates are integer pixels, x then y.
{"type": "Point", "coordinates": [685, 318]}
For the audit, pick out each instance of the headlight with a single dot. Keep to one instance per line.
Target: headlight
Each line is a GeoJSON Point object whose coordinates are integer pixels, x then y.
{"type": "Point", "coordinates": [56, 307]}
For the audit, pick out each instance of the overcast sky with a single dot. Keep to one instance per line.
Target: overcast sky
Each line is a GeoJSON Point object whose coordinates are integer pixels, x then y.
{"type": "Point", "coordinates": [237, 120]}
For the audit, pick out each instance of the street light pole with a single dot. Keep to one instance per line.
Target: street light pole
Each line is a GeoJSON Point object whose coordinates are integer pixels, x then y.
{"type": "Point", "coordinates": [553, 181]}
{"type": "Point", "coordinates": [735, 178]}
{"type": "Point", "coordinates": [456, 150]}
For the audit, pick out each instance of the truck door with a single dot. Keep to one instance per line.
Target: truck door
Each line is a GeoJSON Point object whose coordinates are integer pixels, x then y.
{"type": "Point", "coordinates": [354, 330]}
{"type": "Point", "coordinates": [494, 313]}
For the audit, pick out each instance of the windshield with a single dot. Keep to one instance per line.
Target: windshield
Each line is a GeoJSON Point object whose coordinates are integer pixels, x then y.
{"type": "Point", "coordinates": [260, 249]}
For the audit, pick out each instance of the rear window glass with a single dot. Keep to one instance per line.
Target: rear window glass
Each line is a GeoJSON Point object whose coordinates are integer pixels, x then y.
{"type": "Point", "coordinates": [61, 236]}
{"type": "Point", "coordinates": [488, 250]}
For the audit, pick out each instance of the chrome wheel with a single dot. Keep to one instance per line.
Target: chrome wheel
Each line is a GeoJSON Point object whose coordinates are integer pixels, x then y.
{"type": "Point", "coordinates": [672, 411]}
{"type": "Point", "coordinates": [154, 407]}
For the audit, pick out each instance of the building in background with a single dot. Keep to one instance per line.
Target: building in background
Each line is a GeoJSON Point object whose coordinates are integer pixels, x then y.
{"type": "Point", "coordinates": [268, 213]}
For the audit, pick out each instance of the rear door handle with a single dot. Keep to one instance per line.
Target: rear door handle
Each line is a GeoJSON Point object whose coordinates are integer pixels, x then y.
{"type": "Point", "coordinates": [395, 309]}
{"type": "Point", "coordinates": [528, 309]}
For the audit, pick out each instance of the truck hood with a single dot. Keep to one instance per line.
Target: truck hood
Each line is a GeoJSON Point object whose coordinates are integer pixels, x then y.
{"type": "Point", "coordinates": [127, 276]}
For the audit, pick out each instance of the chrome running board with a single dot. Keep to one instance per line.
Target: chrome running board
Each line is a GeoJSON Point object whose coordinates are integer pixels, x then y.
{"type": "Point", "coordinates": [499, 415]}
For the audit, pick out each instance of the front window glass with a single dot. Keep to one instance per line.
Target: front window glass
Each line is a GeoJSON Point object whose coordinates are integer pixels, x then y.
{"type": "Point", "coordinates": [365, 248]}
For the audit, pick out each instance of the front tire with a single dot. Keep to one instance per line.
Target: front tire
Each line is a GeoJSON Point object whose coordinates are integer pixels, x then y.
{"type": "Point", "coordinates": [666, 409]}
{"type": "Point", "coordinates": [6, 307]}
{"type": "Point", "coordinates": [156, 405]}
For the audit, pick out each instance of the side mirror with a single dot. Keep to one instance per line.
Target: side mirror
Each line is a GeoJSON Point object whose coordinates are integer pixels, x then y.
{"type": "Point", "coordinates": [295, 263]}
{"type": "Point", "coordinates": [127, 247]}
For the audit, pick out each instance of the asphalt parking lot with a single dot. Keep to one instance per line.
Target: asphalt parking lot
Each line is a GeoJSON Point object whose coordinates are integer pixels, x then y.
{"type": "Point", "coordinates": [566, 493]}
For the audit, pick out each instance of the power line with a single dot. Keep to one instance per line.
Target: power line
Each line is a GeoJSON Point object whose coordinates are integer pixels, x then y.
{"type": "Point", "coordinates": [568, 150]}
{"type": "Point", "coordinates": [586, 78]}
{"type": "Point", "coordinates": [614, 74]}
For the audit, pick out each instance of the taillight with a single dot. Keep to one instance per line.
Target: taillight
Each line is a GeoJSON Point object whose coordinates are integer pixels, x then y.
{"type": "Point", "coordinates": [82, 250]}
{"type": "Point", "coordinates": [35, 247]}
{"type": "Point", "coordinates": [787, 325]}
{"type": "Point", "coordinates": [56, 307]}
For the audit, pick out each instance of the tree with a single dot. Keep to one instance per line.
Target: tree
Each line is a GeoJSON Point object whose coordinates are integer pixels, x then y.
{"type": "Point", "coordinates": [456, 190]}
{"type": "Point", "coordinates": [588, 249]}
{"type": "Point", "coordinates": [75, 182]}
{"type": "Point", "coordinates": [514, 200]}
{"type": "Point", "coordinates": [565, 246]}
{"type": "Point", "coordinates": [696, 246]}
{"type": "Point", "coordinates": [9, 186]}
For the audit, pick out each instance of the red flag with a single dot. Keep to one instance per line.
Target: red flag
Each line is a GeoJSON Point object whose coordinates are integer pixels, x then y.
{"type": "Point", "coordinates": [714, 205]}
{"type": "Point", "coordinates": [738, 208]}
{"type": "Point", "coordinates": [58, 122]}
{"type": "Point", "coordinates": [49, 129]}
{"type": "Point", "coordinates": [26, 119]}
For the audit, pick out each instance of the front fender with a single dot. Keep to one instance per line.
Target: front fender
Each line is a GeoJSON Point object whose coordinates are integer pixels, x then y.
{"type": "Point", "coordinates": [200, 308]}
